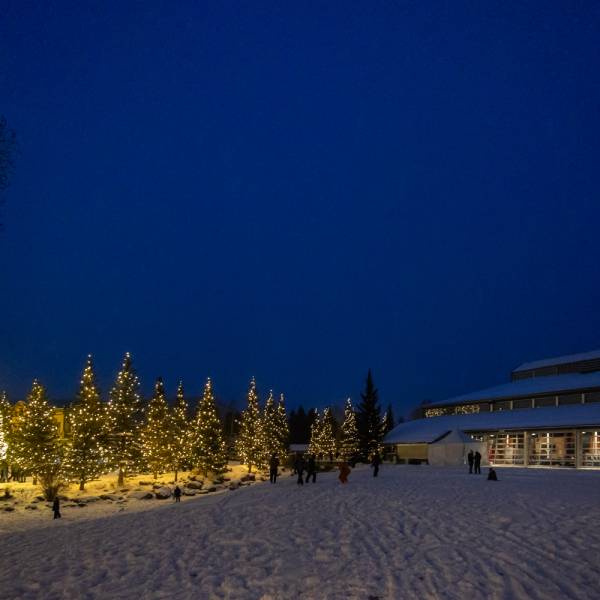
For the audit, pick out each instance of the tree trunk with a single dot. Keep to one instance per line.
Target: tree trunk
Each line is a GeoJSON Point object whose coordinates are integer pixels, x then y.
{"type": "Point", "coordinates": [121, 480]}
{"type": "Point", "coordinates": [176, 476]}
{"type": "Point", "coordinates": [82, 485]}
{"type": "Point", "coordinates": [155, 475]}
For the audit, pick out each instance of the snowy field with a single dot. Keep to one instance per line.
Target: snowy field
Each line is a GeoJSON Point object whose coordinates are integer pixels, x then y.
{"type": "Point", "coordinates": [415, 532]}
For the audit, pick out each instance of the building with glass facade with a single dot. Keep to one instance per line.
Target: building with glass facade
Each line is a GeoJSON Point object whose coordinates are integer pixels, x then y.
{"type": "Point", "coordinates": [548, 415]}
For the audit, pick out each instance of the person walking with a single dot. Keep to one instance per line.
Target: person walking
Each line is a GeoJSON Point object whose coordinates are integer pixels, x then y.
{"type": "Point", "coordinates": [273, 466]}
{"type": "Point", "coordinates": [177, 493]}
{"type": "Point", "coordinates": [470, 460]}
{"type": "Point", "coordinates": [375, 462]}
{"type": "Point", "coordinates": [477, 463]}
{"type": "Point", "coordinates": [344, 472]}
{"type": "Point", "coordinates": [56, 507]}
{"type": "Point", "coordinates": [299, 466]}
{"type": "Point", "coordinates": [311, 469]}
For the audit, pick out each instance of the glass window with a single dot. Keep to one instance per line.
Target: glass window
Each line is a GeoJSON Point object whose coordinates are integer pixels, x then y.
{"type": "Point", "coordinates": [523, 403]}
{"type": "Point", "coordinates": [552, 448]}
{"type": "Point", "coordinates": [569, 399]}
{"type": "Point", "coordinates": [502, 405]}
{"type": "Point", "coordinates": [592, 396]}
{"type": "Point", "coordinates": [590, 448]}
{"type": "Point", "coordinates": [546, 401]}
{"type": "Point", "coordinates": [507, 448]}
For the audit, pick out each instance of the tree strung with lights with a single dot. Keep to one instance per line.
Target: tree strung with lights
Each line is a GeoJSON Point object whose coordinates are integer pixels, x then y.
{"type": "Point", "coordinates": [369, 420]}
{"type": "Point", "coordinates": [350, 441]}
{"type": "Point", "coordinates": [5, 415]}
{"type": "Point", "coordinates": [156, 432]}
{"type": "Point", "coordinates": [35, 441]}
{"type": "Point", "coordinates": [387, 423]}
{"type": "Point", "coordinates": [180, 432]}
{"type": "Point", "coordinates": [327, 442]}
{"type": "Point", "coordinates": [283, 430]}
{"type": "Point", "coordinates": [207, 444]}
{"type": "Point", "coordinates": [250, 443]}
{"type": "Point", "coordinates": [87, 455]}
{"type": "Point", "coordinates": [124, 417]}
{"type": "Point", "coordinates": [270, 427]}
{"type": "Point", "coordinates": [314, 446]}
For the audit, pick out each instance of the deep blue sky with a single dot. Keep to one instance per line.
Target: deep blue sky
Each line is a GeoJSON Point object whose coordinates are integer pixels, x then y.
{"type": "Point", "coordinates": [299, 191]}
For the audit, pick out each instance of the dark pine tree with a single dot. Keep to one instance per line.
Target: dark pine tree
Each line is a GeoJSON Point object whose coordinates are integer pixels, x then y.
{"type": "Point", "coordinates": [369, 420]}
{"type": "Point", "coordinates": [388, 420]}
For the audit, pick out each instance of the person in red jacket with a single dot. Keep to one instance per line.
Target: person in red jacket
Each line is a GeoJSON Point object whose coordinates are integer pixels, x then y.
{"type": "Point", "coordinates": [344, 472]}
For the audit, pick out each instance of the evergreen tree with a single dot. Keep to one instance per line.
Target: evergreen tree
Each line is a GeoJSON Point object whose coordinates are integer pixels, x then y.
{"type": "Point", "coordinates": [124, 418]}
{"type": "Point", "coordinates": [270, 427]}
{"type": "Point", "coordinates": [314, 446]}
{"type": "Point", "coordinates": [388, 421]}
{"type": "Point", "coordinates": [180, 432]}
{"type": "Point", "coordinates": [207, 445]}
{"type": "Point", "coordinates": [283, 432]}
{"type": "Point", "coordinates": [87, 455]}
{"type": "Point", "coordinates": [369, 420]}
{"type": "Point", "coordinates": [350, 441]}
{"type": "Point", "coordinates": [327, 443]}
{"type": "Point", "coordinates": [35, 441]}
{"type": "Point", "coordinates": [5, 418]}
{"type": "Point", "coordinates": [156, 433]}
{"type": "Point", "coordinates": [250, 442]}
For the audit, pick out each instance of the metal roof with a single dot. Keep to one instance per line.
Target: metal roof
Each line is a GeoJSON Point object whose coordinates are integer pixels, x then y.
{"type": "Point", "coordinates": [559, 360]}
{"type": "Point", "coordinates": [429, 429]}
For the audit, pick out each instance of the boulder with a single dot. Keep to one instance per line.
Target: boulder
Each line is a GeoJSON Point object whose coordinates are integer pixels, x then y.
{"type": "Point", "coordinates": [188, 492]}
{"type": "Point", "coordinates": [211, 489]}
{"type": "Point", "coordinates": [249, 477]}
{"type": "Point", "coordinates": [163, 493]}
{"type": "Point", "coordinates": [234, 485]}
{"type": "Point", "coordinates": [141, 495]}
{"type": "Point", "coordinates": [9, 508]}
{"type": "Point", "coordinates": [31, 507]}
{"type": "Point", "coordinates": [195, 485]}
{"type": "Point", "coordinates": [88, 499]}
{"type": "Point", "coordinates": [110, 497]}
{"type": "Point", "coordinates": [146, 482]}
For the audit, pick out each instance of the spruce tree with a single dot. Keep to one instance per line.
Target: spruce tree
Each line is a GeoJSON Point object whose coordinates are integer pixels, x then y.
{"type": "Point", "coordinates": [156, 433]}
{"type": "Point", "coordinates": [207, 445]}
{"type": "Point", "coordinates": [369, 420]}
{"type": "Point", "coordinates": [314, 446]}
{"type": "Point", "coordinates": [35, 442]}
{"type": "Point", "coordinates": [327, 441]}
{"type": "Point", "coordinates": [350, 441]}
{"type": "Point", "coordinates": [388, 421]}
{"type": "Point", "coordinates": [180, 432]}
{"type": "Point", "coordinates": [270, 427]}
{"type": "Point", "coordinates": [250, 442]}
{"type": "Point", "coordinates": [124, 418]}
{"type": "Point", "coordinates": [5, 419]}
{"type": "Point", "coordinates": [283, 431]}
{"type": "Point", "coordinates": [87, 455]}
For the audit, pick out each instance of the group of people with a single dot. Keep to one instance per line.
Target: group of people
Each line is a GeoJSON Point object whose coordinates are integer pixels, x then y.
{"type": "Point", "coordinates": [474, 460]}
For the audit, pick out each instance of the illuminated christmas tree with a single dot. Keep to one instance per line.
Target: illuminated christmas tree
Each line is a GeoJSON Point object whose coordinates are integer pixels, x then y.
{"type": "Point", "coordinates": [314, 446]}
{"type": "Point", "coordinates": [35, 441]}
{"type": "Point", "coordinates": [124, 418]}
{"type": "Point", "coordinates": [283, 429]}
{"type": "Point", "coordinates": [327, 443]}
{"type": "Point", "coordinates": [180, 432]}
{"type": "Point", "coordinates": [87, 455]}
{"type": "Point", "coordinates": [271, 427]}
{"type": "Point", "coordinates": [5, 418]}
{"type": "Point", "coordinates": [207, 445]}
{"type": "Point", "coordinates": [250, 443]}
{"type": "Point", "coordinates": [350, 441]}
{"type": "Point", "coordinates": [156, 432]}
{"type": "Point", "coordinates": [388, 420]}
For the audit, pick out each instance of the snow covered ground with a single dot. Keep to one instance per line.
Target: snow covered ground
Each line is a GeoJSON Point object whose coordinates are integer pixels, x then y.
{"type": "Point", "coordinates": [415, 532]}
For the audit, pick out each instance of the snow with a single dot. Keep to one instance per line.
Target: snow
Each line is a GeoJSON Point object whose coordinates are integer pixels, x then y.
{"type": "Point", "coordinates": [526, 388]}
{"type": "Point", "coordinates": [559, 360]}
{"type": "Point", "coordinates": [414, 532]}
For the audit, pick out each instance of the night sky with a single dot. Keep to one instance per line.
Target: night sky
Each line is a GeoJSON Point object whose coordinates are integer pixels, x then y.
{"type": "Point", "coordinates": [299, 191]}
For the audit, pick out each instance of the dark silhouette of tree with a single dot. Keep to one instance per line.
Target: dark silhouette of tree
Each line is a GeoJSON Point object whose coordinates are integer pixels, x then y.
{"type": "Point", "coordinates": [388, 420]}
{"type": "Point", "coordinates": [369, 420]}
{"type": "Point", "coordinates": [419, 411]}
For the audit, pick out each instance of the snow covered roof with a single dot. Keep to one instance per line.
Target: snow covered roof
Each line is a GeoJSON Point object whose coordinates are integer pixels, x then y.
{"type": "Point", "coordinates": [559, 360]}
{"type": "Point", "coordinates": [430, 429]}
{"type": "Point", "coordinates": [456, 436]}
{"type": "Point", "coordinates": [526, 388]}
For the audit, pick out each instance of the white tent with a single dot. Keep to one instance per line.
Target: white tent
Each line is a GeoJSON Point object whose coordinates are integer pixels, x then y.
{"type": "Point", "coordinates": [452, 449]}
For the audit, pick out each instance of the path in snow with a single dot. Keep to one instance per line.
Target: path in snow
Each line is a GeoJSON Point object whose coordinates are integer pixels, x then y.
{"type": "Point", "coordinates": [415, 532]}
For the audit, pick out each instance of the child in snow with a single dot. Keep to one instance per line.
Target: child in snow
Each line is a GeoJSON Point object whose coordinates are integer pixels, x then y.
{"type": "Point", "coordinates": [56, 507]}
{"type": "Point", "coordinates": [177, 494]}
{"type": "Point", "coordinates": [344, 472]}
{"type": "Point", "coordinates": [492, 475]}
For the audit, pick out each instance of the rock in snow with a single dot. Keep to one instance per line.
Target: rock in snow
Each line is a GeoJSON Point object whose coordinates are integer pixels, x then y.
{"type": "Point", "coordinates": [194, 485]}
{"type": "Point", "coordinates": [163, 493]}
{"type": "Point", "coordinates": [141, 495]}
